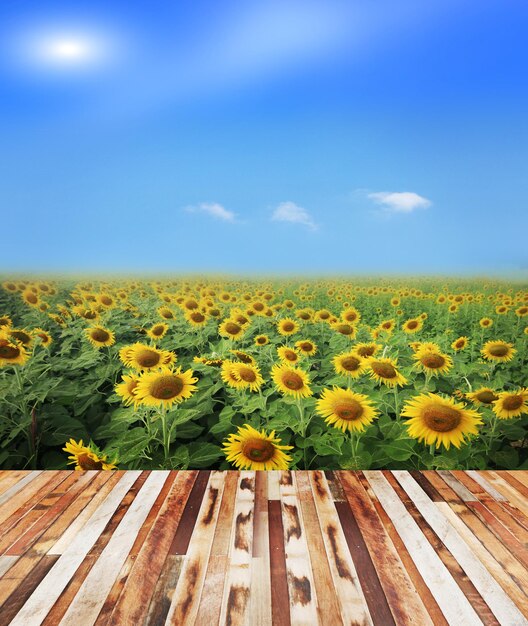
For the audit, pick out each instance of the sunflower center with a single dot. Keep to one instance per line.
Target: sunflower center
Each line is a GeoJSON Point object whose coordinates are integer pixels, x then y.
{"type": "Point", "coordinates": [306, 346]}
{"type": "Point", "coordinates": [441, 418]}
{"type": "Point", "coordinates": [21, 336]}
{"type": "Point", "coordinates": [258, 450]}
{"type": "Point", "coordinates": [350, 363]}
{"type": "Point", "coordinates": [349, 409]}
{"type": "Point", "coordinates": [31, 298]}
{"type": "Point", "coordinates": [292, 381]}
{"type": "Point", "coordinates": [499, 350]}
{"type": "Point", "coordinates": [486, 397]}
{"type": "Point", "coordinates": [87, 463]}
{"type": "Point", "coordinates": [261, 340]}
{"type": "Point", "coordinates": [366, 350]}
{"type": "Point", "coordinates": [100, 335]}
{"type": "Point", "coordinates": [158, 330]}
{"type": "Point", "coordinates": [148, 358]}
{"type": "Point", "coordinates": [288, 327]}
{"type": "Point", "coordinates": [384, 370]}
{"type": "Point", "coordinates": [344, 329]}
{"type": "Point", "coordinates": [433, 361]}
{"type": "Point", "coordinates": [106, 300]}
{"type": "Point", "coordinates": [412, 325]}
{"type": "Point", "coordinates": [290, 355]}
{"type": "Point", "coordinates": [460, 343]}
{"type": "Point", "coordinates": [232, 328]}
{"type": "Point", "coordinates": [198, 317]}
{"type": "Point", "coordinates": [512, 403]}
{"type": "Point", "coordinates": [166, 387]}
{"type": "Point", "coordinates": [247, 375]}
{"type": "Point", "coordinates": [9, 352]}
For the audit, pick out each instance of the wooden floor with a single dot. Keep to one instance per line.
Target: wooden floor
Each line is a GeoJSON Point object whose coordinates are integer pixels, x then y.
{"type": "Point", "coordinates": [132, 548]}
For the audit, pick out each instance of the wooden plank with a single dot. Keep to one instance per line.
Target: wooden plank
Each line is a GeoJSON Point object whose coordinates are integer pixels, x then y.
{"type": "Point", "coordinates": [78, 524]}
{"type": "Point", "coordinates": [132, 605]}
{"type": "Point", "coordinates": [6, 562]}
{"type": "Point", "coordinates": [462, 492]}
{"type": "Point", "coordinates": [487, 557]}
{"type": "Point", "coordinates": [351, 593]}
{"type": "Point", "coordinates": [186, 599]}
{"type": "Point", "coordinates": [260, 609]}
{"type": "Point", "coordinates": [237, 589]}
{"type": "Point", "coordinates": [43, 598]}
{"type": "Point", "coordinates": [280, 599]}
{"type": "Point", "coordinates": [91, 596]}
{"type": "Point", "coordinates": [26, 587]}
{"type": "Point", "coordinates": [162, 597]}
{"type": "Point", "coordinates": [180, 543]}
{"type": "Point", "coordinates": [8, 478]}
{"type": "Point", "coordinates": [446, 592]}
{"type": "Point", "coordinates": [273, 485]}
{"type": "Point", "coordinates": [480, 478]}
{"type": "Point", "coordinates": [18, 485]}
{"type": "Point", "coordinates": [498, 601]}
{"type": "Point", "coordinates": [402, 596]}
{"type": "Point", "coordinates": [456, 571]}
{"type": "Point", "coordinates": [327, 602]}
{"type": "Point", "coordinates": [303, 601]}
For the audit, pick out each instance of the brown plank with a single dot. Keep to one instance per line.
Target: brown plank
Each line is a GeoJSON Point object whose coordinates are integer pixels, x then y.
{"type": "Point", "coordinates": [21, 593]}
{"type": "Point", "coordinates": [180, 543]}
{"type": "Point", "coordinates": [398, 589]}
{"type": "Point", "coordinates": [162, 597]}
{"type": "Point", "coordinates": [426, 485]}
{"type": "Point", "coordinates": [132, 605]}
{"type": "Point", "coordinates": [280, 599]}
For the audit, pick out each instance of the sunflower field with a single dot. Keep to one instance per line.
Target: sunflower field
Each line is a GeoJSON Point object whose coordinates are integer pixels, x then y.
{"type": "Point", "coordinates": [263, 374]}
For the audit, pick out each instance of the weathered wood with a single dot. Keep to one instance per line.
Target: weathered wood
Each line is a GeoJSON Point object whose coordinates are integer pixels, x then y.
{"type": "Point", "coordinates": [259, 548]}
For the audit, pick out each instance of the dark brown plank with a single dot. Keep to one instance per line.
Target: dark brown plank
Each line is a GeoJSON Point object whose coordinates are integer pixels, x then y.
{"type": "Point", "coordinates": [180, 543]}
{"type": "Point", "coordinates": [280, 598]}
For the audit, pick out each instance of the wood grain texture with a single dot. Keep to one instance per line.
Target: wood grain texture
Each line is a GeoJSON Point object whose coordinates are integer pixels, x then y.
{"type": "Point", "coordinates": [257, 548]}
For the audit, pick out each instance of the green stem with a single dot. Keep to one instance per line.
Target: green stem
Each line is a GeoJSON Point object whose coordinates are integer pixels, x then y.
{"type": "Point", "coordinates": [396, 407]}
{"type": "Point", "coordinates": [303, 428]}
{"type": "Point", "coordinates": [165, 434]}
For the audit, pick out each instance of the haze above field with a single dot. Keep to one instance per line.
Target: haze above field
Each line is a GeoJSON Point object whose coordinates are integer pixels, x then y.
{"type": "Point", "coordinates": [289, 137]}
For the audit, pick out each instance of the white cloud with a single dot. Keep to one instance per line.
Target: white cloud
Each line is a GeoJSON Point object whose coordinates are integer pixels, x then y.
{"type": "Point", "coordinates": [291, 212]}
{"type": "Point", "coordinates": [214, 209]}
{"type": "Point", "coordinates": [400, 201]}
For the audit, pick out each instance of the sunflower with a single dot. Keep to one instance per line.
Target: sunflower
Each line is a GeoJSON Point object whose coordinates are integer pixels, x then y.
{"type": "Point", "coordinates": [228, 374]}
{"type": "Point", "coordinates": [432, 362]}
{"type": "Point", "coordinates": [482, 396]}
{"type": "Point", "coordinates": [22, 336]}
{"type": "Point", "coordinates": [254, 450]}
{"type": "Point", "coordinates": [30, 298]}
{"type": "Point", "coordinates": [99, 336]}
{"type": "Point", "coordinates": [12, 352]}
{"type": "Point", "coordinates": [412, 326]}
{"type": "Point", "coordinates": [196, 318]}
{"type": "Point", "coordinates": [127, 389]}
{"type": "Point", "coordinates": [210, 362]}
{"type": "Point", "coordinates": [261, 340]}
{"type": "Point", "coordinates": [384, 370]}
{"type": "Point", "coordinates": [345, 409]}
{"type": "Point", "coordinates": [460, 344]}
{"type": "Point", "coordinates": [166, 313]}
{"type": "Point", "coordinates": [44, 336]}
{"type": "Point", "coordinates": [349, 364]}
{"type": "Point", "coordinates": [486, 322]}
{"type": "Point", "coordinates": [141, 357]}
{"type": "Point", "coordinates": [345, 329]}
{"type": "Point", "coordinates": [247, 376]}
{"type": "Point", "coordinates": [85, 458]}
{"type": "Point", "coordinates": [498, 351]}
{"type": "Point", "coordinates": [307, 347]}
{"type": "Point", "coordinates": [351, 315]}
{"type": "Point", "coordinates": [158, 331]}
{"type": "Point", "coordinates": [165, 387]}
{"type": "Point", "coordinates": [511, 404]}
{"type": "Point", "coordinates": [244, 357]}
{"type": "Point", "coordinates": [5, 321]}
{"type": "Point", "coordinates": [387, 326]}
{"type": "Point", "coordinates": [366, 350]}
{"type": "Point", "coordinates": [287, 326]}
{"type": "Point", "coordinates": [291, 381]}
{"type": "Point", "coordinates": [106, 300]}
{"type": "Point", "coordinates": [438, 420]}
{"type": "Point", "coordinates": [288, 355]}
{"type": "Point", "coordinates": [231, 329]}
{"type": "Point", "coordinates": [522, 311]}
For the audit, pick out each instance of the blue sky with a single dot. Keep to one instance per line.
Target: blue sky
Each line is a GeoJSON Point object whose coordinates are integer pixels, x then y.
{"type": "Point", "coordinates": [292, 136]}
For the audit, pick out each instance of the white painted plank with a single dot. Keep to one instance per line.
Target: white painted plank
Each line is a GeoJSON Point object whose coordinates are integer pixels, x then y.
{"type": "Point", "coordinates": [90, 598]}
{"type": "Point", "coordinates": [450, 598]}
{"type": "Point", "coordinates": [19, 485]}
{"type": "Point", "coordinates": [53, 584]}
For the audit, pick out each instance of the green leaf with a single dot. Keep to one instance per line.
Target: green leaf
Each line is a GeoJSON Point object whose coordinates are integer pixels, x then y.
{"type": "Point", "coordinates": [400, 449]}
